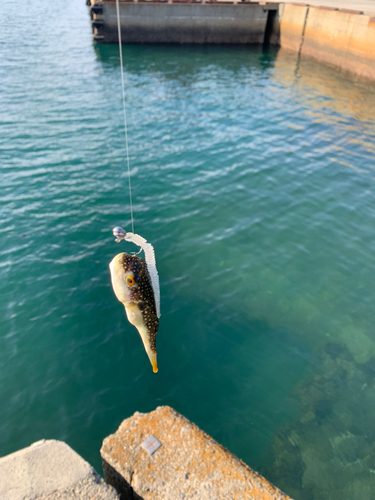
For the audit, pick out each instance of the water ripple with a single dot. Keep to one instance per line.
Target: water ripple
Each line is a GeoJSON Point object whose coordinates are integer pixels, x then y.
{"type": "Point", "coordinates": [253, 178]}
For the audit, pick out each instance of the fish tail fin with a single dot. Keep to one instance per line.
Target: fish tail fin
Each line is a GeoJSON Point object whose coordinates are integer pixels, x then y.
{"type": "Point", "coordinates": [152, 357]}
{"type": "Point", "coordinates": [150, 347]}
{"type": "Point", "coordinates": [150, 350]}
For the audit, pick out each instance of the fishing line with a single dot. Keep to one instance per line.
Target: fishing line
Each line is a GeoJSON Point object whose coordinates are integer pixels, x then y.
{"type": "Point", "coordinates": [120, 233]}
{"type": "Point", "coordinates": [124, 109]}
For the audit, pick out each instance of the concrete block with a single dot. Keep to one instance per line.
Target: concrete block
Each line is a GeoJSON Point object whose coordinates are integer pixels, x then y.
{"type": "Point", "coordinates": [189, 464]}
{"type": "Point", "coordinates": [292, 25]}
{"type": "Point", "coordinates": [342, 38]}
{"type": "Point", "coordinates": [50, 470]}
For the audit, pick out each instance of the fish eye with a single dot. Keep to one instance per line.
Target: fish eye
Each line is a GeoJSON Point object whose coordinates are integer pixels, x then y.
{"type": "Point", "coordinates": [129, 280]}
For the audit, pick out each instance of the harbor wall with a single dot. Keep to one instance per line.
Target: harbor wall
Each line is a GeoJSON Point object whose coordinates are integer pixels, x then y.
{"type": "Point", "coordinates": [183, 22]}
{"type": "Point", "coordinates": [343, 38]}
{"type": "Point", "coordinates": [292, 25]}
{"type": "Point", "coordinates": [340, 37]}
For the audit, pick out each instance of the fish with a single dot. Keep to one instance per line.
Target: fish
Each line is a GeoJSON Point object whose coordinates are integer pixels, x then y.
{"type": "Point", "coordinates": [131, 283]}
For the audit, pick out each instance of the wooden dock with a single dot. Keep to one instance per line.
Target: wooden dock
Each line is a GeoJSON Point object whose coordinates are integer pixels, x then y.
{"type": "Point", "coordinates": [331, 33]}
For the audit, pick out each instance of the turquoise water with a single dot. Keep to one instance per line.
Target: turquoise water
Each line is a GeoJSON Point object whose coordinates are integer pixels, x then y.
{"type": "Point", "coordinates": [253, 178]}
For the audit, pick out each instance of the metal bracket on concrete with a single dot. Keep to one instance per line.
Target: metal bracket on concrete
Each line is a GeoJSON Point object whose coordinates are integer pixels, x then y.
{"type": "Point", "coordinates": [97, 8]}
{"type": "Point", "coordinates": [269, 6]}
{"type": "Point", "coordinates": [151, 445]}
{"type": "Point", "coordinates": [97, 23]}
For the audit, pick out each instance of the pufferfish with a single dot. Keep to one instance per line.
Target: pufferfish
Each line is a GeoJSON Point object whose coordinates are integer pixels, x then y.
{"type": "Point", "coordinates": [132, 286]}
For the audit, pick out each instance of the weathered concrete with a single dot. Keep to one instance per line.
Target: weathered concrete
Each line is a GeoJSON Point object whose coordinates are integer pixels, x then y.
{"type": "Point", "coordinates": [156, 22]}
{"type": "Point", "coordinates": [188, 465]}
{"type": "Point", "coordinates": [366, 6]}
{"type": "Point", "coordinates": [344, 39]}
{"type": "Point", "coordinates": [330, 33]}
{"type": "Point", "coordinates": [49, 470]}
{"type": "Point", "coordinates": [292, 25]}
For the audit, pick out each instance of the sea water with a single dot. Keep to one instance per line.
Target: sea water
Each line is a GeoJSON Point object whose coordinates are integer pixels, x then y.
{"type": "Point", "coordinates": [253, 177]}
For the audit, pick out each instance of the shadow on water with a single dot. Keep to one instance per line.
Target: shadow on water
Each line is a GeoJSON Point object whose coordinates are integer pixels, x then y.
{"type": "Point", "coordinates": [343, 91]}
{"type": "Point", "coordinates": [185, 62]}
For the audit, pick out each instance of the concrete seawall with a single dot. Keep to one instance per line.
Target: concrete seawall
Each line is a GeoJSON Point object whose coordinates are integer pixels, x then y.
{"type": "Point", "coordinates": [336, 35]}
{"type": "Point", "coordinates": [344, 38]}
{"type": "Point", "coordinates": [183, 22]}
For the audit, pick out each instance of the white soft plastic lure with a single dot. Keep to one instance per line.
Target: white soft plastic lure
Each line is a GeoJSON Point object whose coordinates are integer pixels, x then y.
{"type": "Point", "coordinates": [149, 252]}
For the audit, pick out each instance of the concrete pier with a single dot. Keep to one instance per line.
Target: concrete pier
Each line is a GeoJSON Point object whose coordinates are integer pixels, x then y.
{"type": "Point", "coordinates": [343, 38]}
{"type": "Point", "coordinates": [153, 456]}
{"type": "Point", "coordinates": [188, 464]}
{"type": "Point", "coordinates": [182, 22]}
{"type": "Point", "coordinates": [338, 32]}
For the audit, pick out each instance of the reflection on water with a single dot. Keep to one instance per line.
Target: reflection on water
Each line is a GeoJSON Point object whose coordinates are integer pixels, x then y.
{"type": "Point", "coordinates": [340, 92]}
{"type": "Point", "coordinates": [329, 451]}
{"type": "Point", "coordinates": [253, 178]}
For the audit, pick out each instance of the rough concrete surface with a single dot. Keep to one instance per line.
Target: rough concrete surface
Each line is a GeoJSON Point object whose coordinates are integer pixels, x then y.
{"type": "Point", "coordinates": [50, 470]}
{"type": "Point", "coordinates": [188, 465]}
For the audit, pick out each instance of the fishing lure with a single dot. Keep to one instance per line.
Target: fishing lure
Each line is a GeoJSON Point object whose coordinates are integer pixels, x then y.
{"type": "Point", "coordinates": [135, 282]}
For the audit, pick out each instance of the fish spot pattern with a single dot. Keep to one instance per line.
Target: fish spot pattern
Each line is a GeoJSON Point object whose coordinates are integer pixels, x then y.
{"type": "Point", "coordinates": [142, 294]}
